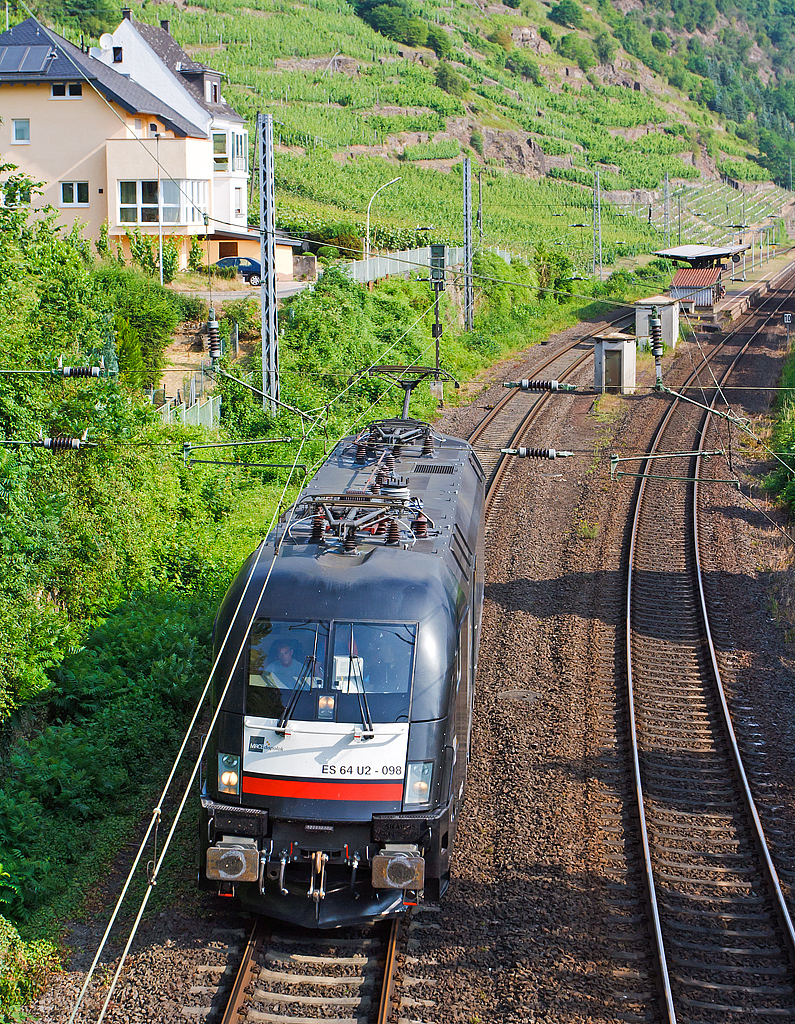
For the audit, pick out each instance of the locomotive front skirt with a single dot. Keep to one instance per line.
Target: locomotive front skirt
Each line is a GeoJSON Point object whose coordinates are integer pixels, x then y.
{"type": "Point", "coordinates": [347, 654]}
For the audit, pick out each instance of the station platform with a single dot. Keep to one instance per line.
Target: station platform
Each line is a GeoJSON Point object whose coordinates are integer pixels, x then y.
{"type": "Point", "coordinates": [742, 295]}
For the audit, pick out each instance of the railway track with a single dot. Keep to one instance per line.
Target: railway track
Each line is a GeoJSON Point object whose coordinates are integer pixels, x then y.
{"type": "Point", "coordinates": [723, 941]}
{"type": "Point", "coordinates": [346, 977]}
{"type": "Point", "coordinates": [507, 423]}
{"type": "Point", "coordinates": [350, 977]}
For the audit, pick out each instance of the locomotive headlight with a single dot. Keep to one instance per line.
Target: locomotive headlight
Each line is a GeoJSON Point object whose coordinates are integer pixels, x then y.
{"type": "Point", "coordinates": [325, 707]}
{"type": "Point", "coordinates": [229, 774]}
{"type": "Point", "coordinates": [418, 783]}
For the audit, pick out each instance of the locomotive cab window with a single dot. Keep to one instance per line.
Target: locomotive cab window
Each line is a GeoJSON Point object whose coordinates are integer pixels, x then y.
{"type": "Point", "coordinates": [283, 657]}
{"type": "Point", "coordinates": [366, 666]}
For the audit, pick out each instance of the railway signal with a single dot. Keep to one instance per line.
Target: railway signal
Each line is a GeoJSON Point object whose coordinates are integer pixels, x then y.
{"type": "Point", "coordinates": [788, 321]}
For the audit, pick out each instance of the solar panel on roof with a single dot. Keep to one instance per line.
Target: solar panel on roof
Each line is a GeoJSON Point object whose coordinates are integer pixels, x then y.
{"type": "Point", "coordinates": [29, 59]}
{"type": "Point", "coordinates": [36, 59]}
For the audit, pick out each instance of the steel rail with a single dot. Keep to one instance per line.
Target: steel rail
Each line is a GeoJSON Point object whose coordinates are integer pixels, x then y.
{"type": "Point", "coordinates": [388, 981]}
{"type": "Point", "coordinates": [242, 980]}
{"type": "Point", "coordinates": [666, 994]}
{"type": "Point", "coordinates": [769, 869]}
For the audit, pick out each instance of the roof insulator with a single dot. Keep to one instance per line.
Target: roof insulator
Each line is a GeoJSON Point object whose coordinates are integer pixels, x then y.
{"type": "Point", "coordinates": [393, 533]}
{"type": "Point", "coordinates": [419, 526]}
{"type": "Point", "coordinates": [318, 526]}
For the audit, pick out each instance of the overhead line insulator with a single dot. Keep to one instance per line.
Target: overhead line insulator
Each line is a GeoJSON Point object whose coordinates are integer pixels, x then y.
{"type": "Point", "coordinates": [536, 453]}
{"type": "Point", "coordinates": [539, 385]}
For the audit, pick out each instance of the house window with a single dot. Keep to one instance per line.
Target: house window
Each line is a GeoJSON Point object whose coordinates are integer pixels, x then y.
{"type": "Point", "coordinates": [118, 57]}
{"type": "Point", "coordinates": [239, 151]}
{"type": "Point", "coordinates": [148, 208]}
{"type": "Point", "coordinates": [215, 92]}
{"type": "Point", "coordinates": [74, 193]}
{"type": "Point", "coordinates": [181, 202]}
{"type": "Point", "coordinates": [138, 128]}
{"type": "Point", "coordinates": [152, 130]}
{"type": "Point", "coordinates": [171, 202]}
{"type": "Point", "coordinates": [220, 155]}
{"type": "Point", "coordinates": [238, 202]}
{"type": "Point", "coordinates": [20, 132]}
{"type": "Point", "coordinates": [64, 89]}
{"type": "Point", "coordinates": [138, 202]}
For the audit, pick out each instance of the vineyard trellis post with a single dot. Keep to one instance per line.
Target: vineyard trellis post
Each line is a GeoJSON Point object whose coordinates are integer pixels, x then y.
{"type": "Point", "coordinates": [267, 228]}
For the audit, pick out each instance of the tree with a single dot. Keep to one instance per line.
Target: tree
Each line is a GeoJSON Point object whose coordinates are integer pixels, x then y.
{"type": "Point", "coordinates": [606, 48]}
{"type": "Point", "coordinates": [660, 41]}
{"type": "Point", "coordinates": [128, 350]}
{"type": "Point", "coordinates": [567, 12]}
{"type": "Point", "coordinates": [439, 41]}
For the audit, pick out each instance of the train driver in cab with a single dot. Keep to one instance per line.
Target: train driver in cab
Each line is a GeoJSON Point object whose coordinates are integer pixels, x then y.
{"type": "Point", "coordinates": [283, 665]}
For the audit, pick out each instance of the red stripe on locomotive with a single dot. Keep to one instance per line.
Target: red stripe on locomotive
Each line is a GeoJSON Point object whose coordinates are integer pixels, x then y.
{"type": "Point", "coordinates": [306, 789]}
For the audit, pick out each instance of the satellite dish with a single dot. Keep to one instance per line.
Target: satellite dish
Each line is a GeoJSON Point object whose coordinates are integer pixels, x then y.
{"type": "Point", "coordinates": [106, 41]}
{"type": "Point", "coordinates": [736, 258]}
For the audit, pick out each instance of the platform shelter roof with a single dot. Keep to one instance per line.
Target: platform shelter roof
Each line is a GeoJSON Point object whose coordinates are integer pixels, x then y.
{"type": "Point", "coordinates": [702, 255]}
{"type": "Point", "coordinates": [696, 277]}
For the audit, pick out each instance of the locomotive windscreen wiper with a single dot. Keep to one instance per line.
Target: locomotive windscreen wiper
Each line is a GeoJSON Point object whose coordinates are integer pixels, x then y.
{"type": "Point", "coordinates": [354, 668]}
{"type": "Point", "coordinates": [307, 672]}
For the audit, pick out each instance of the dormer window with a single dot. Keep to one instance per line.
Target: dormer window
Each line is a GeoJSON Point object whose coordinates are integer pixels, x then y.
{"type": "Point", "coordinates": [212, 91]}
{"type": "Point", "coordinates": [62, 90]}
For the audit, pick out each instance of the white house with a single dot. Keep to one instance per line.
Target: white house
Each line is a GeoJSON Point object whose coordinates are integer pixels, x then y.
{"type": "Point", "coordinates": [134, 134]}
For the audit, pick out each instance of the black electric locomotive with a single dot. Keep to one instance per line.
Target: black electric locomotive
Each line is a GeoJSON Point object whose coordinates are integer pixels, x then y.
{"type": "Point", "coordinates": [337, 765]}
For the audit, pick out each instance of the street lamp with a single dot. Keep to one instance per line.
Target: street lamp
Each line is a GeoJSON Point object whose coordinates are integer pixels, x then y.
{"type": "Point", "coordinates": [159, 209]}
{"type": "Point", "coordinates": [372, 197]}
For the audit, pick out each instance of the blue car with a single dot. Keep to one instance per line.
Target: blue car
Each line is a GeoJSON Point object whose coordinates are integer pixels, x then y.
{"type": "Point", "coordinates": [248, 268]}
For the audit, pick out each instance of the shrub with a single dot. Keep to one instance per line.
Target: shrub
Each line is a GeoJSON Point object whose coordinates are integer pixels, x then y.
{"type": "Point", "coordinates": [195, 255]}
{"type": "Point", "coordinates": [502, 38]}
{"type": "Point", "coordinates": [450, 81]}
{"type": "Point", "coordinates": [246, 314]}
{"type": "Point", "coordinates": [577, 49]}
{"type": "Point", "coordinates": [151, 311]}
{"type": "Point", "coordinates": [523, 64]}
{"type": "Point", "coordinates": [476, 142]}
{"type": "Point", "coordinates": [192, 307]}
{"type": "Point", "coordinates": [567, 12]}
{"type": "Point", "coordinates": [128, 351]}
{"type": "Point", "coordinates": [547, 34]}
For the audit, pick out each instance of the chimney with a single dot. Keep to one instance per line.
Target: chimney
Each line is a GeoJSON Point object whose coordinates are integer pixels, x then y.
{"type": "Point", "coordinates": [126, 13]}
{"type": "Point", "coordinates": [165, 25]}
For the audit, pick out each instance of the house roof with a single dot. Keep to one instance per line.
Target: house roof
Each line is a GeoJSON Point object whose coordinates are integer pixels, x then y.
{"type": "Point", "coordinates": [696, 277]}
{"type": "Point", "coordinates": [31, 53]}
{"type": "Point", "coordinates": [184, 67]}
